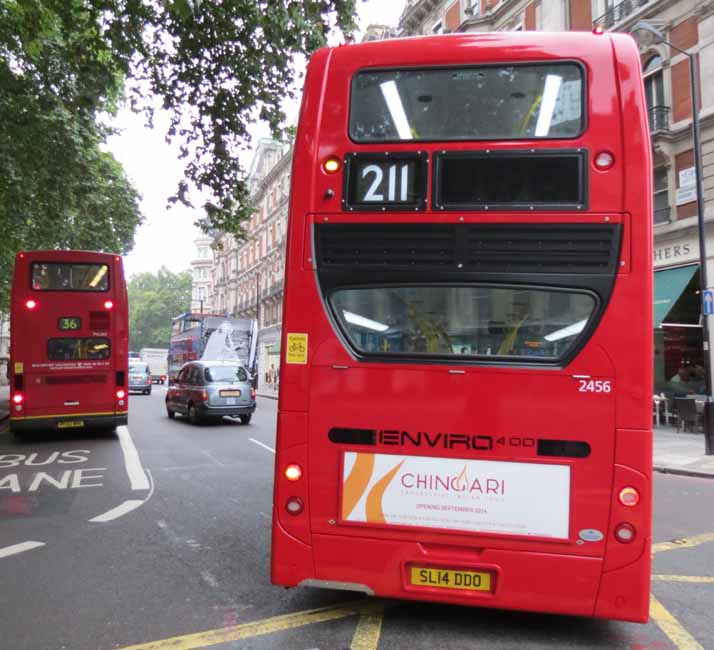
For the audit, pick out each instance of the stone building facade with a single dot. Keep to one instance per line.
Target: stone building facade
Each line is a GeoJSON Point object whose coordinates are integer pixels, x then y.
{"type": "Point", "coordinates": [202, 273]}
{"type": "Point", "coordinates": [246, 277]}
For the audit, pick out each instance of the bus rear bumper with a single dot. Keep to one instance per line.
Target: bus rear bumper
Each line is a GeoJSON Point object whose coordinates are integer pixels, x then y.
{"type": "Point", "coordinates": [545, 582]}
{"type": "Point", "coordinates": [68, 423]}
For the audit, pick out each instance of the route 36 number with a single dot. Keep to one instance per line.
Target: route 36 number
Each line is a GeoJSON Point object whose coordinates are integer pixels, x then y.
{"type": "Point", "coordinates": [594, 386]}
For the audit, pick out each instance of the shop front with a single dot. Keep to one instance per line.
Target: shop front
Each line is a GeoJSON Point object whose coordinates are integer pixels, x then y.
{"type": "Point", "coordinates": [678, 346]}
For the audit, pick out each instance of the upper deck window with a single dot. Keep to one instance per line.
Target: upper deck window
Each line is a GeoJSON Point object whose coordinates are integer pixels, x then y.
{"type": "Point", "coordinates": [494, 102]}
{"type": "Point", "coordinates": [57, 276]}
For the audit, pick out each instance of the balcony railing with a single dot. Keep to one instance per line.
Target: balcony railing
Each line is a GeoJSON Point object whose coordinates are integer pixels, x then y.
{"type": "Point", "coordinates": [619, 12]}
{"type": "Point", "coordinates": [659, 118]}
{"type": "Point", "coordinates": [662, 215]}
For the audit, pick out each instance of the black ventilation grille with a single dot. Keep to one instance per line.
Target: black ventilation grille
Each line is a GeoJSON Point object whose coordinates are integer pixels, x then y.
{"type": "Point", "coordinates": [486, 248]}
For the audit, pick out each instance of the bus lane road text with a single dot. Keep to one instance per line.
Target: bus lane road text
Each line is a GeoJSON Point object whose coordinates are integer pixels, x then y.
{"type": "Point", "coordinates": [26, 480]}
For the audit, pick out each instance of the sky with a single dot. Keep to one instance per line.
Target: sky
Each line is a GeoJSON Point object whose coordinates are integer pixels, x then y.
{"type": "Point", "coordinates": [166, 237]}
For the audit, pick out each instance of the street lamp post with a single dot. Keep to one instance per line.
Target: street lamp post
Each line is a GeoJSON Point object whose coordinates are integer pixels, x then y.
{"type": "Point", "coordinates": [647, 34]}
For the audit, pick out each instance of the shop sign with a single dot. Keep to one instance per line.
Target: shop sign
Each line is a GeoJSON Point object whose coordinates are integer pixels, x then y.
{"type": "Point", "coordinates": [676, 252]}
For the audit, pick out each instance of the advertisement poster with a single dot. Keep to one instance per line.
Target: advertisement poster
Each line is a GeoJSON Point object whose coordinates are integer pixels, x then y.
{"type": "Point", "coordinates": [459, 494]}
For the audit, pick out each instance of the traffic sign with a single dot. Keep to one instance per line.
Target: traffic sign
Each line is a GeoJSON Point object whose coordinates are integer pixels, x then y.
{"type": "Point", "coordinates": [708, 303]}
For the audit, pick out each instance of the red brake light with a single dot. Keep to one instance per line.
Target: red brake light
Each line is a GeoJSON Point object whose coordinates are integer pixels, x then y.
{"type": "Point", "coordinates": [108, 304]}
{"type": "Point", "coordinates": [629, 497]}
{"type": "Point", "coordinates": [18, 398]}
{"type": "Point", "coordinates": [31, 304]}
{"type": "Point", "coordinates": [294, 505]}
{"type": "Point", "coordinates": [121, 394]}
{"type": "Point", "coordinates": [598, 29]}
{"type": "Point", "coordinates": [204, 395]}
{"type": "Point", "coordinates": [293, 472]}
{"type": "Point", "coordinates": [625, 533]}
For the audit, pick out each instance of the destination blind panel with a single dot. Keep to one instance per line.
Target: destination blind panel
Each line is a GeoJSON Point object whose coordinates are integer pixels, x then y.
{"type": "Point", "coordinates": [512, 180]}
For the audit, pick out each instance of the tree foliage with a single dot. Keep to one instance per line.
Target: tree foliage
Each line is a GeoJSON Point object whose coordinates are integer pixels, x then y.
{"type": "Point", "coordinates": [154, 299]}
{"type": "Point", "coordinates": [216, 66]}
{"type": "Point", "coordinates": [58, 187]}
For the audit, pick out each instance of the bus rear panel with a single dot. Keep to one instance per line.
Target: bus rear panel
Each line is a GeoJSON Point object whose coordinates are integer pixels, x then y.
{"type": "Point", "coordinates": [464, 410]}
{"type": "Point", "coordinates": [69, 346]}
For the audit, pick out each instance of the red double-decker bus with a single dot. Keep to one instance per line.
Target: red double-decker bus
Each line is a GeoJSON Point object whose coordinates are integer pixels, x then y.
{"type": "Point", "coordinates": [464, 409]}
{"type": "Point", "coordinates": [69, 341]}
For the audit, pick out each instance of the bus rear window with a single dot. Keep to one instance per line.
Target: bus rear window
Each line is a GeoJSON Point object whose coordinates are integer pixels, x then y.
{"type": "Point", "coordinates": [78, 349]}
{"type": "Point", "coordinates": [531, 324]}
{"type": "Point", "coordinates": [57, 276]}
{"type": "Point", "coordinates": [495, 102]}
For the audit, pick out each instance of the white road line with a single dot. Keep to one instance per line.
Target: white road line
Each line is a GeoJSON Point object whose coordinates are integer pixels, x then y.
{"type": "Point", "coordinates": [124, 508]}
{"type": "Point", "coordinates": [19, 548]}
{"type": "Point", "coordinates": [119, 511]}
{"type": "Point", "coordinates": [137, 475]}
{"type": "Point", "coordinates": [257, 442]}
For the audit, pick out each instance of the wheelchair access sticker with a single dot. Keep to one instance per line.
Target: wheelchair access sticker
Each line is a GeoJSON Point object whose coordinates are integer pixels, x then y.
{"type": "Point", "coordinates": [297, 348]}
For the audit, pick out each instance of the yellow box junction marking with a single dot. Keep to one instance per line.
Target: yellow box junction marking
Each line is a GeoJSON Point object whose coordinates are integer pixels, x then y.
{"type": "Point", "coordinates": [670, 578]}
{"type": "Point", "coordinates": [672, 627]}
{"type": "Point", "coordinates": [371, 615]}
{"type": "Point", "coordinates": [371, 608]}
{"type": "Point", "coordinates": [297, 348]}
{"type": "Point", "coordinates": [667, 623]}
{"type": "Point", "coordinates": [369, 628]}
{"type": "Point", "coordinates": [687, 542]}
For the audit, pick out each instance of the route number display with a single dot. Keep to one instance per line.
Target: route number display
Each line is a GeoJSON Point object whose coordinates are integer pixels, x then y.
{"type": "Point", "coordinates": [385, 181]}
{"type": "Point", "coordinates": [69, 323]}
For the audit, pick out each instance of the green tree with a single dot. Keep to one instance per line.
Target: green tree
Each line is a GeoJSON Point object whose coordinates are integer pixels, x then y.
{"type": "Point", "coordinates": [216, 66]}
{"type": "Point", "coordinates": [58, 187]}
{"type": "Point", "coordinates": [154, 299]}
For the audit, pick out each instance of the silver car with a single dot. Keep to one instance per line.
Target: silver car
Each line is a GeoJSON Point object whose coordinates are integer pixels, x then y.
{"type": "Point", "coordinates": [211, 389]}
{"type": "Point", "coordinates": [139, 377]}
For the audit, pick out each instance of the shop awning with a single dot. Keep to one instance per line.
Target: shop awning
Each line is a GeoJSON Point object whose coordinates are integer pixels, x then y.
{"type": "Point", "coordinates": [668, 286]}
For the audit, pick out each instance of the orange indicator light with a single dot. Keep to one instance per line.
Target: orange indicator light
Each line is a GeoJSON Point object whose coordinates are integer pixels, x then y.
{"type": "Point", "coordinates": [332, 165]}
{"type": "Point", "coordinates": [293, 472]}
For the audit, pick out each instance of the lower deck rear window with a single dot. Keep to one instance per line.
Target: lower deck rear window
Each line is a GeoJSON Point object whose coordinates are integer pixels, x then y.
{"type": "Point", "coordinates": [77, 349]}
{"type": "Point", "coordinates": [527, 323]}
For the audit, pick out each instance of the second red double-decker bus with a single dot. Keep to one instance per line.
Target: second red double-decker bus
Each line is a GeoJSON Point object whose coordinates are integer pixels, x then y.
{"type": "Point", "coordinates": [464, 409]}
{"type": "Point", "coordinates": [69, 341]}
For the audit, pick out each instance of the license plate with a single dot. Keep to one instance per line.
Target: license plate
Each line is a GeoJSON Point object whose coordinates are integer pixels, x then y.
{"type": "Point", "coordinates": [229, 393]}
{"type": "Point", "coordinates": [231, 401]}
{"type": "Point", "coordinates": [70, 424]}
{"type": "Point", "coordinates": [450, 579]}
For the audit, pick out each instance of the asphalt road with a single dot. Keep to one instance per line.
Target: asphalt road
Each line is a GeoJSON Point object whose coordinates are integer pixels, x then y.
{"type": "Point", "coordinates": [162, 531]}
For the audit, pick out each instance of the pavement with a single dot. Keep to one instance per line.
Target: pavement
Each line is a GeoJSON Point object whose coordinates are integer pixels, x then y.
{"type": "Point", "coordinates": [674, 452]}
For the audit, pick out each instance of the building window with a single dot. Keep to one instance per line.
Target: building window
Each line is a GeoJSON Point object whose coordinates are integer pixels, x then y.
{"type": "Point", "coordinates": [661, 196]}
{"type": "Point", "coordinates": [654, 93]}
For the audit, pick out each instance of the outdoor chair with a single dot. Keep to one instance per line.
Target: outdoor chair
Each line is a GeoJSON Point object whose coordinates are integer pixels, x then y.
{"type": "Point", "coordinates": [687, 417]}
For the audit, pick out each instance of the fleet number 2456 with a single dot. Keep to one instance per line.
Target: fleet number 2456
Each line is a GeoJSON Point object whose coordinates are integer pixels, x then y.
{"type": "Point", "coordinates": [594, 386]}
